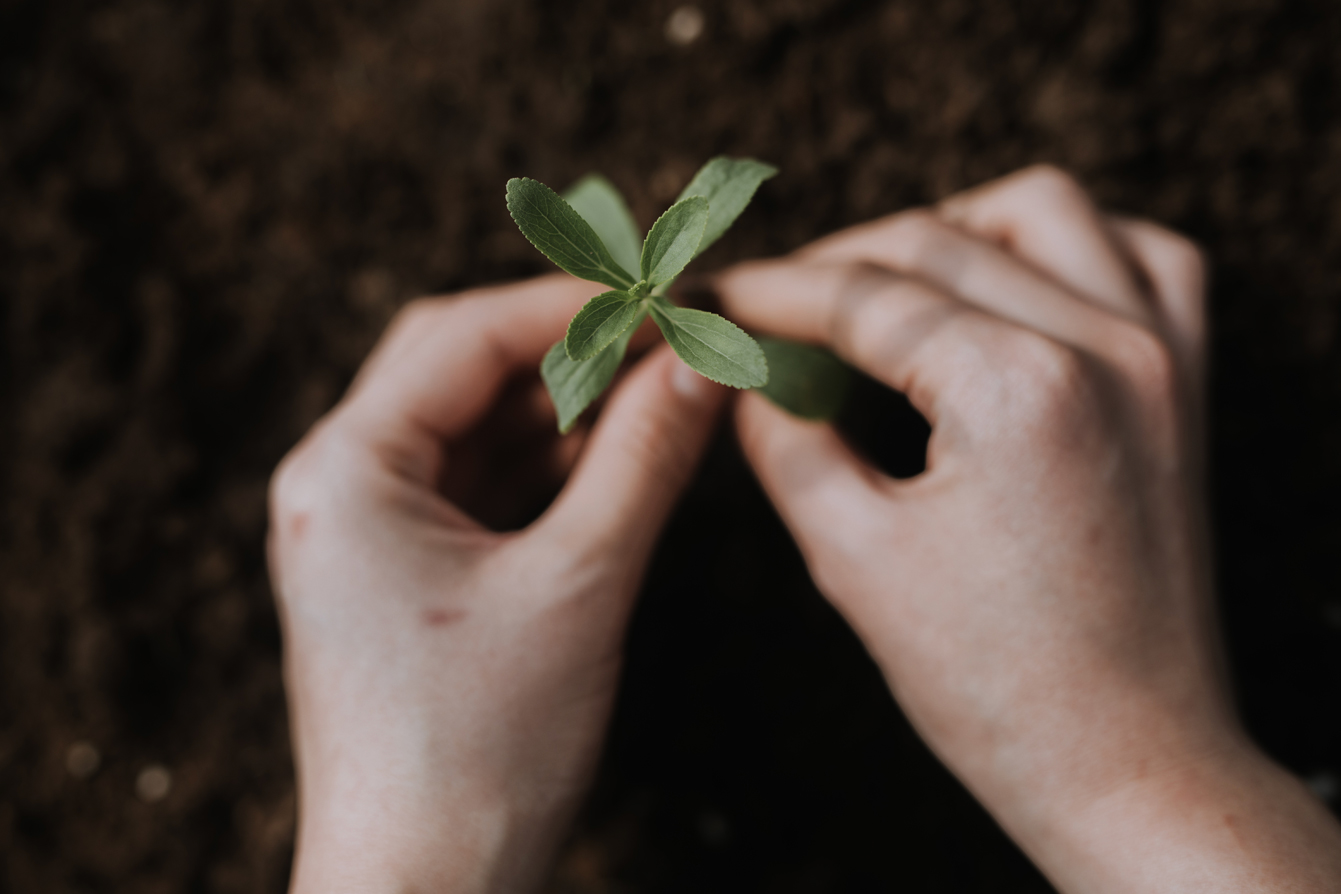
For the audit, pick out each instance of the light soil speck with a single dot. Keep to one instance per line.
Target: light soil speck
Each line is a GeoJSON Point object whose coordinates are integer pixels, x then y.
{"type": "Point", "coordinates": [82, 760]}
{"type": "Point", "coordinates": [685, 25]}
{"type": "Point", "coordinates": [153, 784]}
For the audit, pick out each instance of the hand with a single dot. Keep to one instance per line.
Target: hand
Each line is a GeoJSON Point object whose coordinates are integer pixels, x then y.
{"type": "Point", "coordinates": [449, 685]}
{"type": "Point", "coordinates": [1040, 598]}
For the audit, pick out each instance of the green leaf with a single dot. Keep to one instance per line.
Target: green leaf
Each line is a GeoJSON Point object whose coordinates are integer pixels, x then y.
{"type": "Point", "coordinates": [601, 205]}
{"type": "Point", "coordinates": [728, 184]}
{"type": "Point", "coordinates": [673, 240]}
{"type": "Point", "coordinates": [561, 234]}
{"type": "Point", "coordinates": [715, 347]}
{"type": "Point", "coordinates": [805, 380]}
{"type": "Point", "coordinates": [600, 321]}
{"type": "Point", "coordinates": [574, 384]}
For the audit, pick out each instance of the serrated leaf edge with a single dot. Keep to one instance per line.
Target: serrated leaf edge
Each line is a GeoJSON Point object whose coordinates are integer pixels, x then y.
{"type": "Point", "coordinates": [642, 254]}
{"type": "Point", "coordinates": [605, 183]}
{"type": "Point", "coordinates": [558, 346]}
{"type": "Point", "coordinates": [657, 311]}
{"type": "Point", "coordinates": [770, 172]}
{"type": "Point", "coordinates": [569, 331]}
{"type": "Point", "coordinates": [617, 273]}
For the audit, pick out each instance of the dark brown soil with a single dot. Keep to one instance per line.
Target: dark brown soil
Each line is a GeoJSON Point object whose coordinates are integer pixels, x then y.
{"type": "Point", "coordinates": [209, 209]}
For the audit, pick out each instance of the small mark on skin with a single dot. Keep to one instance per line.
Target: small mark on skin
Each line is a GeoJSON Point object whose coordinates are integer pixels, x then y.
{"type": "Point", "coordinates": [298, 525]}
{"type": "Point", "coordinates": [1232, 822]}
{"type": "Point", "coordinates": [441, 617]}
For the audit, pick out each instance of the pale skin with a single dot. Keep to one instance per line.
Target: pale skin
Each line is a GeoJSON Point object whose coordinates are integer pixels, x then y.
{"type": "Point", "coordinates": [1039, 599]}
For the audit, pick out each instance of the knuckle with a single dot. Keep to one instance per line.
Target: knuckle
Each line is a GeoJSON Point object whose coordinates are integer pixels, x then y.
{"type": "Point", "coordinates": [859, 309]}
{"type": "Point", "coordinates": [914, 235]}
{"type": "Point", "coordinates": [1049, 385]}
{"type": "Point", "coordinates": [410, 318]}
{"type": "Point", "coordinates": [828, 562]}
{"type": "Point", "coordinates": [919, 240]}
{"type": "Point", "coordinates": [1186, 262]}
{"type": "Point", "coordinates": [299, 483]}
{"type": "Point", "coordinates": [916, 226]}
{"type": "Point", "coordinates": [417, 311]}
{"type": "Point", "coordinates": [428, 310]}
{"type": "Point", "coordinates": [1145, 360]}
{"type": "Point", "coordinates": [883, 316]}
{"type": "Point", "coordinates": [1051, 182]}
{"type": "Point", "coordinates": [291, 485]}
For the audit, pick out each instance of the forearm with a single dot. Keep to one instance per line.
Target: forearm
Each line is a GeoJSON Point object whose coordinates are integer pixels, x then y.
{"type": "Point", "coordinates": [380, 846]}
{"type": "Point", "coordinates": [1229, 822]}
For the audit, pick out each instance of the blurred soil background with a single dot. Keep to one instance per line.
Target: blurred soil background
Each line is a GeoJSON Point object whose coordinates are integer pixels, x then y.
{"type": "Point", "coordinates": [209, 210]}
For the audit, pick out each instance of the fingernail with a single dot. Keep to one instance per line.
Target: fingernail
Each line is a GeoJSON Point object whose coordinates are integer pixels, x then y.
{"type": "Point", "coordinates": [689, 384]}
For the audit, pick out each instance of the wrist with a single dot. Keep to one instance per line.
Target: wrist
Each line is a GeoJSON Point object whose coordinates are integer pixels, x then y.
{"type": "Point", "coordinates": [1215, 815]}
{"type": "Point", "coordinates": [403, 837]}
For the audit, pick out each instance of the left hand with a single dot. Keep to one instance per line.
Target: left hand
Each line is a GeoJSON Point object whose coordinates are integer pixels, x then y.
{"type": "Point", "coordinates": [1039, 598]}
{"type": "Point", "coordinates": [449, 684]}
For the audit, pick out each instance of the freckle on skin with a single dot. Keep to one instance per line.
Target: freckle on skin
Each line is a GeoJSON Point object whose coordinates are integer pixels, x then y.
{"type": "Point", "coordinates": [438, 617]}
{"type": "Point", "coordinates": [298, 525]}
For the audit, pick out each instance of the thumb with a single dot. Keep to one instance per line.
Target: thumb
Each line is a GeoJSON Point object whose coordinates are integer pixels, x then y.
{"type": "Point", "coordinates": [826, 495]}
{"type": "Point", "coordinates": [637, 460]}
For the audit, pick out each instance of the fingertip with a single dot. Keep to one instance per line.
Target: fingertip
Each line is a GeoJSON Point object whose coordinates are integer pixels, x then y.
{"type": "Point", "coordinates": [764, 429]}
{"type": "Point", "coordinates": [735, 284]}
{"type": "Point", "coordinates": [752, 421]}
{"type": "Point", "coordinates": [785, 298]}
{"type": "Point", "coordinates": [663, 391]}
{"type": "Point", "coordinates": [690, 387]}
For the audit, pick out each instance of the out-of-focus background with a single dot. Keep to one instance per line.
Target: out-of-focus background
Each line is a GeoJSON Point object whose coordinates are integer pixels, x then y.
{"type": "Point", "coordinates": [209, 210]}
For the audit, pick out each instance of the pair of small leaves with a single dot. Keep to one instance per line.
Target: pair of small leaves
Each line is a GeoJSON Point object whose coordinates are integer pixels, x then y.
{"type": "Point", "coordinates": [592, 235]}
{"type": "Point", "coordinates": [668, 248]}
{"type": "Point", "coordinates": [726, 184]}
{"type": "Point", "coordinates": [597, 201]}
{"type": "Point", "coordinates": [573, 385]}
{"type": "Point", "coordinates": [712, 345]}
{"type": "Point", "coordinates": [554, 226]}
{"type": "Point", "coordinates": [721, 351]}
{"type": "Point", "coordinates": [705, 210]}
{"type": "Point", "coordinates": [562, 235]}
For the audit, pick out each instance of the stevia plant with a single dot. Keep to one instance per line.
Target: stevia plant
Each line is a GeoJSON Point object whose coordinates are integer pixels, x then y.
{"type": "Point", "coordinates": [590, 233]}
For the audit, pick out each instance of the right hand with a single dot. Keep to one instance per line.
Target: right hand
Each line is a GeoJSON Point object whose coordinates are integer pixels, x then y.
{"type": "Point", "coordinates": [1039, 599]}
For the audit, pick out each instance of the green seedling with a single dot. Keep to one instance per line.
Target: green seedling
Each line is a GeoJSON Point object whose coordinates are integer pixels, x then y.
{"type": "Point", "coordinates": [590, 233]}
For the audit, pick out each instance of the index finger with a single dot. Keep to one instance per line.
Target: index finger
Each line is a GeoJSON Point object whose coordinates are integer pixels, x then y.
{"type": "Point", "coordinates": [899, 329]}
